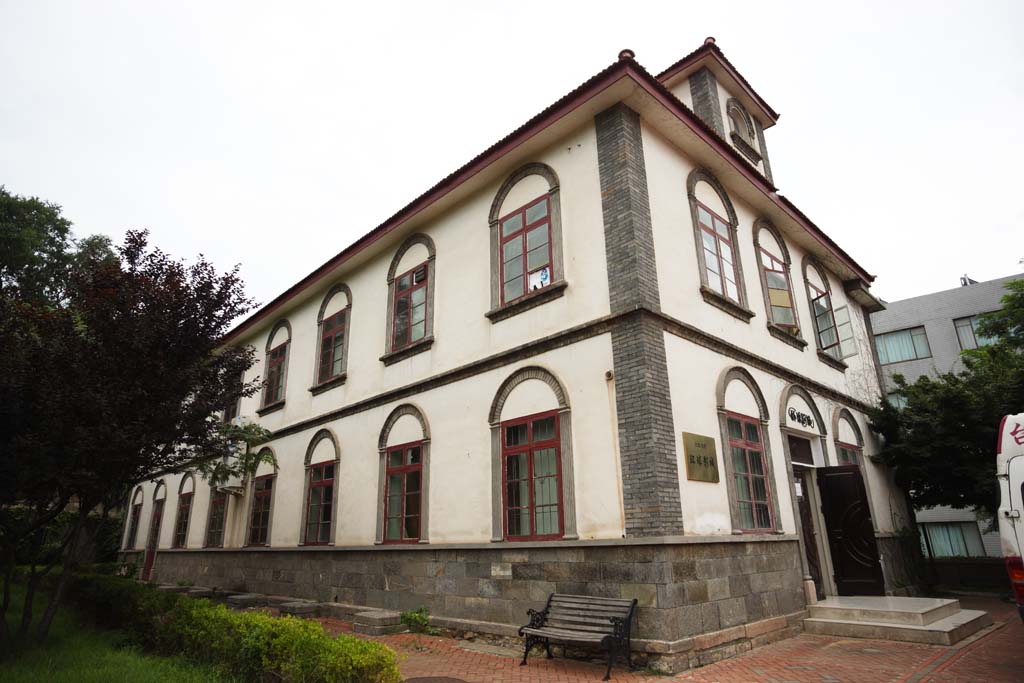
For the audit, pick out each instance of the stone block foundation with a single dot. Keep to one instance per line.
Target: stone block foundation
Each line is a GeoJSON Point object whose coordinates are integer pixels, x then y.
{"type": "Point", "coordinates": [698, 601]}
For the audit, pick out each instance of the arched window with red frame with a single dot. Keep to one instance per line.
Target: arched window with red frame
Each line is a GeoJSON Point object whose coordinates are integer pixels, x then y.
{"type": "Point", "coordinates": [532, 477]}
{"type": "Point", "coordinates": [526, 253]}
{"type": "Point", "coordinates": [133, 520]}
{"type": "Point", "coordinates": [184, 514]}
{"type": "Point", "coordinates": [750, 473]}
{"type": "Point", "coordinates": [262, 504]}
{"type": "Point", "coordinates": [319, 503]}
{"type": "Point", "coordinates": [403, 493]}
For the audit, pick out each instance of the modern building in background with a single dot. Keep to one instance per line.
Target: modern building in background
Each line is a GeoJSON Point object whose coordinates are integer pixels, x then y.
{"type": "Point", "coordinates": [605, 357]}
{"type": "Point", "coordinates": [925, 335]}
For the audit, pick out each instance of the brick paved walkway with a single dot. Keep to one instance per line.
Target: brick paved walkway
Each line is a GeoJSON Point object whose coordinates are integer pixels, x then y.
{"type": "Point", "coordinates": [996, 657]}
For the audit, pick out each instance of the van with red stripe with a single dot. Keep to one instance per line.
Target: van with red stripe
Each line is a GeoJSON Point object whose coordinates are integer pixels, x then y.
{"type": "Point", "coordinates": [1010, 473]}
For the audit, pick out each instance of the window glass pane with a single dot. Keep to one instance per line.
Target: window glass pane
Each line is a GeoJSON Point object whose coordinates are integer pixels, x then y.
{"type": "Point", "coordinates": [514, 288]}
{"type": "Point", "coordinates": [412, 482]}
{"type": "Point", "coordinates": [731, 291]}
{"type": "Point", "coordinates": [722, 228]}
{"type": "Point", "coordinates": [537, 258]}
{"type": "Point", "coordinates": [511, 224]}
{"type": "Point", "coordinates": [739, 460]}
{"type": "Point", "coordinates": [965, 334]}
{"type": "Point", "coordinates": [418, 296]}
{"type": "Point", "coordinates": [703, 216]}
{"type": "Point", "coordinates": [544, 429]}
{"type": "Point", "coordinates": [536, 212]}
{"type": "Point", "coordinates": [735, 429]}
{"type": "Point", "coordinates": [545, 491]}
{"type": "Point", "coordinates": [515, 435]}
{"type": "Point", "coordinates": [537, 237]}
{"type": "Point", "coordinates": [540, 279]}
{"type": "Point", "coordinates": [776, 280]}
{"type": "Point", "coordinates": [842, 315]}
{"type": "Point", "coordinates": [512, 249]}
{"type": "Point", "coordinates": [412, 504]}
{"type": "Point", "coordinates": [714, 281]}
{"type": "Point", "coordinates": [760, 493]}
{"type": "Point", "coordinates": [395, 459]}
{"type": "Point", "coordinates": [412, 527]}
{"type": "Point", "coordinates": [417, 331]}
{"type": "Point", "coordinates": [401, 319]}
{"type": "Point", "coordinates": [394, 489]}
{"type": "Point", "coordinates": [394, 529]}
{"type": "Point", "coordinates": [753, 433]}
{"type": "Point", "coordinates": [519, 522]}
{"type": "Point", "coordinates": [764, 519]}
{"type": "Point", "coordinates": [783, 316]}
{"type": "Point", "coordinates": [419, 313]}
{"type": "Point", "coordinates": [314, 475]}
{"type": "Point", "coordinates": [414, 456]}
{"type": "Point", "coordinates": [544, 463]}
{"type": "Point", "coordinates": [518, 493]}
{"type": "Point", "coordinates": [419, 275]}
{"type": "Point", "coordinates": [920, 343]}
{"type": "Point", "coordinates": [710, 243]}
{"type": "Point", "coordinates": [756, 462]}
{"type": "Point", "coordinates": [726, 256]}
{"type": "Point", "coordinates": [404, 282]}
{"type": "Point", "coordinates": [547, 520]}
{"type": "Point", "coordinates": [516, 467]}
{"type": "Point", "coordinates": [746, 515]}
{"type": "Point", "coordinates": [514, 268]}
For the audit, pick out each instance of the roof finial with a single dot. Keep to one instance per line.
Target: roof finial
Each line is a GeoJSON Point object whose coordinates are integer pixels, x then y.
{"type": "Point", "coordinates": [710, 40]}
{"type": "Point", "coordinates": [626, 54]}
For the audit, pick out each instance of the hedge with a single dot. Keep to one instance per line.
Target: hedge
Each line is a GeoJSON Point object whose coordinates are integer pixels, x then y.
{"type": "Point", "coordinates": [252, 646]}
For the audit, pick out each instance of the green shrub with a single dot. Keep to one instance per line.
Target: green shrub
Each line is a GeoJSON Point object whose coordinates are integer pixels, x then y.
{"type": "Point", "coordinates": [247, 645]}
{"type": "Point", "coordinates": [418, 620]}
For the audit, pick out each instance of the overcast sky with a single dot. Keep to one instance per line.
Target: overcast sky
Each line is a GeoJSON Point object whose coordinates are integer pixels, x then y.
{"type": "Point", "coordinates": [274, 134]}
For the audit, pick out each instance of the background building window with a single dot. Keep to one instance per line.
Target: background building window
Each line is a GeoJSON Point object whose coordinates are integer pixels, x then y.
{"type": "Point", "coordinates": [896, 399]}
{"type": "Point", "coordinates": [967, 333]}
{"type": "Point", "coordinates": [719, 259]}
{"type": "Point", "coordinates": [320, 504]}
{"type": "Point", "coordinates": [133, 522]}
{"type": "Point", "coordinates": [181, 523]}
{"type": "Point", "coordinates": [951, 539]}
{"type": "Point", "coordinates": [403, 493]}
{"type": "Point", "coordinates": [215, 525]}
{"type": "Point", "coordinates": [526, 250]}
{"type": "Point", "coordinates": [332, 341]}
{"type": "Point", "coordinates": [749, 473]}
{"type": "Point", "coordinates": [894, 347]}
{"type": "Point", "coordinates": [259, 521]}
{"type": "Point", "coordinates": [410, 320]}
{"type": "Point", "coordinates": [849, 454]}
{"type": "Point", "coordinates": [273, 392]}
{"type": "Point", "coordinates": [532, 477]}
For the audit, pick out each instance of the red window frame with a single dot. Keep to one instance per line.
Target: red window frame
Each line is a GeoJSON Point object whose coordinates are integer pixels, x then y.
{"type": "Point", "coordinates": [520, 235]}
{"type": "Point", "coordinates": [778, 266]}
{"type": "Point", "coordinates": [332, 344]}
{"type": "Point", "coordinates": [749, 475]}
{"type": "Point", "coordinates": [406, 293]}
{"type": "Point", "coordinates": [816, 295]}
{"type": "Point", "coordinates": [133, 525]}
{"type": "Point", "coordinates": [529, 447]}
{"type": "Point", "coordinates": [853, 449]}
{"type": "Point", "coordinates": [323, 487]}
{"type": "Point", "coordinates": [719, 240]}
{"type": "Point", "coordinates": [181, 523]}
{"type": "Point", "coordinates": [273, 392]}
{"type": "Point", "coordinates": [404, 470]}
{"type": "Point", "coordinates": [259, 517]}
{"type": "Point", "coordinates": [218, 513]}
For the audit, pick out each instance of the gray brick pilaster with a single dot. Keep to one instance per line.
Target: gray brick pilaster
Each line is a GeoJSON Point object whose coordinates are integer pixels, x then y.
{"type": "Point", "coordinates": [650, 476]}
{"type": "Point", "coordinates": [706, 105]}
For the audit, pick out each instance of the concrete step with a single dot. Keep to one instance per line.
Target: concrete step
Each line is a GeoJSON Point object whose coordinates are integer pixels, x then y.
{"type": "Point", "coordinates": [885, 610]}
{"type": "Point", "coordinates": [945, 631]}
{"type": "Point", "coordinates": [299, 608]}
{"type": "Point", "coordinates": [243, 600]}
{"type": "Point", "coordinates": [378, 623]}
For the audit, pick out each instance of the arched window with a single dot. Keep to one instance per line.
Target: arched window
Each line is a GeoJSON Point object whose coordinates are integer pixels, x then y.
{"type": "Point", "coordinates": [819, 299]}
{"type": "Point", "coordinates": [774, 262]}
{"type": "Point", "coordinates": [715, 236]}
{"type": "Point", "coordinates": [321, 470]}
{"type": "Point", "coordinates": [133, 519]}
{"type": "Point", "coordinates": [216, 518]}
{"type": "Point", "coordinates": [332, 325]}
{"type": "Point", "coordinates": [526, 241]}
{"type": "Point", "coordinates": [532, 467]}
{"type": "Point", "coordinates": [410, 319]}
{"type": "Point", "coordinates": [261, 507]}
{"type": "Point", "coordinates": [741, 130]}
{"type": "Point", "coordinates": [404, 447]}
{"type": "Point", "coordinates": [743, 420]}
{"type": "Point", "coordinates": [186, 491]}
{"type": "Point", "coordinates": [276, 366]}
{"type": "Point", "coordinates": [849, 441]}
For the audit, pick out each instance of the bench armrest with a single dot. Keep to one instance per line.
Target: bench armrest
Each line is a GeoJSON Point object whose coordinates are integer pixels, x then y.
{"type": "Point", "coordinates": [621, 626]}
{"type": "Point", "coordinates": [537, 619]}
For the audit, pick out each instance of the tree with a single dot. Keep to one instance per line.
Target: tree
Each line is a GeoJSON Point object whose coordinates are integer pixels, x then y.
{"type": "Point", "coordinates": [35, 248]}
{"type": "Point", "coordinates": [114, 383]}
{"type": "Point", "coordinates": [942, 443]}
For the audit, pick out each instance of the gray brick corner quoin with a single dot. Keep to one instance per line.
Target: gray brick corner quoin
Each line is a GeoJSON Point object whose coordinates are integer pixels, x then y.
{"type": "Point", "coordinates": [650, 475]}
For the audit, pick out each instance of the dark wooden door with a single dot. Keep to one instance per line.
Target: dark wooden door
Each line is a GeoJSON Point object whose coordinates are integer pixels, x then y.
{"type": "Point", "coordinates": [851, 536]}
{"type": "Point", "coordinates": [153, 539]}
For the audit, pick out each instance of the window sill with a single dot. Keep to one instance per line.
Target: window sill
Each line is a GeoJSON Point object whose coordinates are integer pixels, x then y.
{"type": "Point", "coordinates": [830, 361]}
{"type": "Point", "coordinates": [272, 408]}
{"type": "Point", "coordinates": [784, 335]}
{"type": "Point", "coordinates": [728, 305]}
{"type": "Point", "coordinates": [407, 351]}
{"type": "Point", "coordinates": [745, 147]}
{"type": "Point", "coordinates": [528, 301]}
{"type": "Point", "coordinates": [329, 384]}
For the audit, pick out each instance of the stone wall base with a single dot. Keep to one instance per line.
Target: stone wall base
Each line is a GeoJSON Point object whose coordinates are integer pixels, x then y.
{"type": "Point", "coordinates": [697, 602]}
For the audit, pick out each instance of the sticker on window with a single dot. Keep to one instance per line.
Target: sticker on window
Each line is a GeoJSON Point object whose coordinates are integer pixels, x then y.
{"type": "Point", "coordinates": [540, 279]}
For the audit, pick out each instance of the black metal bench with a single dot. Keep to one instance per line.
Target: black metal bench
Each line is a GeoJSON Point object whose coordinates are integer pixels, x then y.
{"type": "Point", "coordinates": [584, 620]}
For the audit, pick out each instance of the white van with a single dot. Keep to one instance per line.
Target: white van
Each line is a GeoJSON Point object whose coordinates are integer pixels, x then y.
{"type": "Point", "coordinates": [1010, 473]}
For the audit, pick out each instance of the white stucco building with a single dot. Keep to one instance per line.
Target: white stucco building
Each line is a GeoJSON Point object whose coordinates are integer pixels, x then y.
{"type": "Point", "coordinates": [605, 356]}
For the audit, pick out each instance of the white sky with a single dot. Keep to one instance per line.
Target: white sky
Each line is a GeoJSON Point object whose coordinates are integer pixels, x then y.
{"type": "Point", "coordinates": [275, 134]}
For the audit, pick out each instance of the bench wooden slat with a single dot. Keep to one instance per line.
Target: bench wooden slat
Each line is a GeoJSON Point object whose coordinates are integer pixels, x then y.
{"type": "Point", "coordinates": [591, 600]}
{"type": "Point", "coordinates": [559, 634]}
{"type": "Point", "coordinates": [588, 611]}
{"type": "Point", "coordinates": [582, 620]}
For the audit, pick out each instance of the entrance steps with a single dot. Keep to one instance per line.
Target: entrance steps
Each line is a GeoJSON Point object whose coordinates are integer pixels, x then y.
{"type": "Point", "coordinates": [933, 621]}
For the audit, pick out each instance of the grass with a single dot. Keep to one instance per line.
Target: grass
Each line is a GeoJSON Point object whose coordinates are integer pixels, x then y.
{"type": "Point", "coordinates": [78, 653]}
